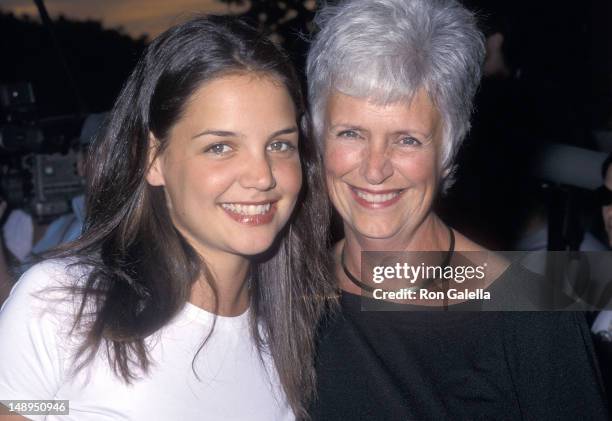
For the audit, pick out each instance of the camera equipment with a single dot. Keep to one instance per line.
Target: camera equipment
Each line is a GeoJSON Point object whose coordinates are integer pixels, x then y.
{"type": "Point", "coordinates": [37, 160]}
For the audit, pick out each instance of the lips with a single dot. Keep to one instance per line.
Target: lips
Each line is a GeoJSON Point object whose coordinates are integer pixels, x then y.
{"type": "Point", "coordinates": [253, 214]}
{"type": "Point", "coordinates": [376, 199]}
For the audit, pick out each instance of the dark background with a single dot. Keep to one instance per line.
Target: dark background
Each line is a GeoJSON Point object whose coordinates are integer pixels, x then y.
{"type": "Point", "coordinates": [560, 55]}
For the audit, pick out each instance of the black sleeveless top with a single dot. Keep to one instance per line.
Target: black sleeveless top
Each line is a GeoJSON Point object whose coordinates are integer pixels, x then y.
{"type": "Point", "coordinates": [432, 365]}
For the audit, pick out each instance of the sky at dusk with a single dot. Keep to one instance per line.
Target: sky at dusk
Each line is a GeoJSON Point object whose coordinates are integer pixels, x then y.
{"type": "Point", "coordinates": [137, 17]}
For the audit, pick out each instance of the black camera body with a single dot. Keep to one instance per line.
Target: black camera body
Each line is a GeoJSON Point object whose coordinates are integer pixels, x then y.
{"type": "Point", "coordinates": [38, 160]}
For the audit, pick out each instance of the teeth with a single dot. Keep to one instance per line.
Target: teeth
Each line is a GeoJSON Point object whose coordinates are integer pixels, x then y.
{"type": "Point", "coordinates": [246, 209]}
{"type": "Point", "coordinates": [376, 198]}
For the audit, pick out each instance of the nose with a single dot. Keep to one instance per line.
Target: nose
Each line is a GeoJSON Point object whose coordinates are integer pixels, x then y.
{"type": "Point", "coordinates": [376, 165]}
{"type": "Point", "coordinates": [257, 174]}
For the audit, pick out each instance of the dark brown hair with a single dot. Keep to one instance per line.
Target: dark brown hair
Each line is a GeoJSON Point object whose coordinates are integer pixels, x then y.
{"type": "Point", "coordinates": [142, 269]}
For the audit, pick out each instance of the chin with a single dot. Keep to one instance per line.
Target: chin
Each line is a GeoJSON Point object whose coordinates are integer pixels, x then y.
{"type": "Point", "coordinates": [375, 231]}
{"type": "Point", "coordinates": [253, 246]}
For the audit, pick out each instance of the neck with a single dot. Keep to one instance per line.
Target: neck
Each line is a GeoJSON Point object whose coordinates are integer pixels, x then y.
{"type": "Point", "coordinates": [229, 273]}
{"type": "Point", "coordinates": [431, 235]}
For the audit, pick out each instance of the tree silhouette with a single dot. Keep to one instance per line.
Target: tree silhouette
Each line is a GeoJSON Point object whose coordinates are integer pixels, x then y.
{"type": "Point", "coordinates": [287, 22]}
{"type": "Point", "coordinates": [100, 60]}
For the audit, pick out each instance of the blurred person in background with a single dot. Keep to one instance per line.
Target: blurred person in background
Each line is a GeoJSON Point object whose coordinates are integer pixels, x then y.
{"type": "Point", "coordinates": [605, 197]}
{"type": "Point", "coordinates": [602, 323]}
{"type": "Point", "coordinates": [19, 232]}
{"type": "Point", "coordinates": [498, 199]}
{"type": "Point", "coordinates": [69, 227]}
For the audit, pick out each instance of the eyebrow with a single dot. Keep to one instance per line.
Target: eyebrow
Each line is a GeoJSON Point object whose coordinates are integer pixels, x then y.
{"type": "Point", "coordinates": [426, 136]}
{"type": "Point", "coordinates": [395, 133]}
{"type": "Point", "coordinates": [288, 130]}
{"type": "Point", "coordinates": [347, 127]}
{"type": "Point", "coordinates": [225, 133]}
{"type": "Point", "coordinates": [219, 133]}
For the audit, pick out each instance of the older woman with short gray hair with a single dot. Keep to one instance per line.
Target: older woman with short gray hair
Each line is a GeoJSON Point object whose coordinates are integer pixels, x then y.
{"type": "Point", "coordinates": [373, 53]}
{"type": "Point", "coordinates": [391, 85]}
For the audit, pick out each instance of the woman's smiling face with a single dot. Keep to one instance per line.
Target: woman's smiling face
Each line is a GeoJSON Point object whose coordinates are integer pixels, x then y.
{"type": "Point", "coordinates": [231, 169]}
{"type": "Point", "coordinates": [382, 163]}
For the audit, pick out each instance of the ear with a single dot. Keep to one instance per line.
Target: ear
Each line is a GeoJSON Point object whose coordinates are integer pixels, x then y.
{"type": "Point", "coordinates": [155, 174]}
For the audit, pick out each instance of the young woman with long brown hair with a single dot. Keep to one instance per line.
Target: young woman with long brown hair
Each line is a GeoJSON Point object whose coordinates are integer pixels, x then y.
{"type": "Point", "coordinates": [196, 287]}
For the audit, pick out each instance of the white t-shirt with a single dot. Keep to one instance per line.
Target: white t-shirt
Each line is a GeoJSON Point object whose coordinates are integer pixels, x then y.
{"type": "Point", "coordinates": [36, 351]}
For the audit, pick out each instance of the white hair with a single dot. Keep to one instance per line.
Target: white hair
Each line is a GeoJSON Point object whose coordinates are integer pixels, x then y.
{"type": "Point", "coordinates": [387, 50]}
